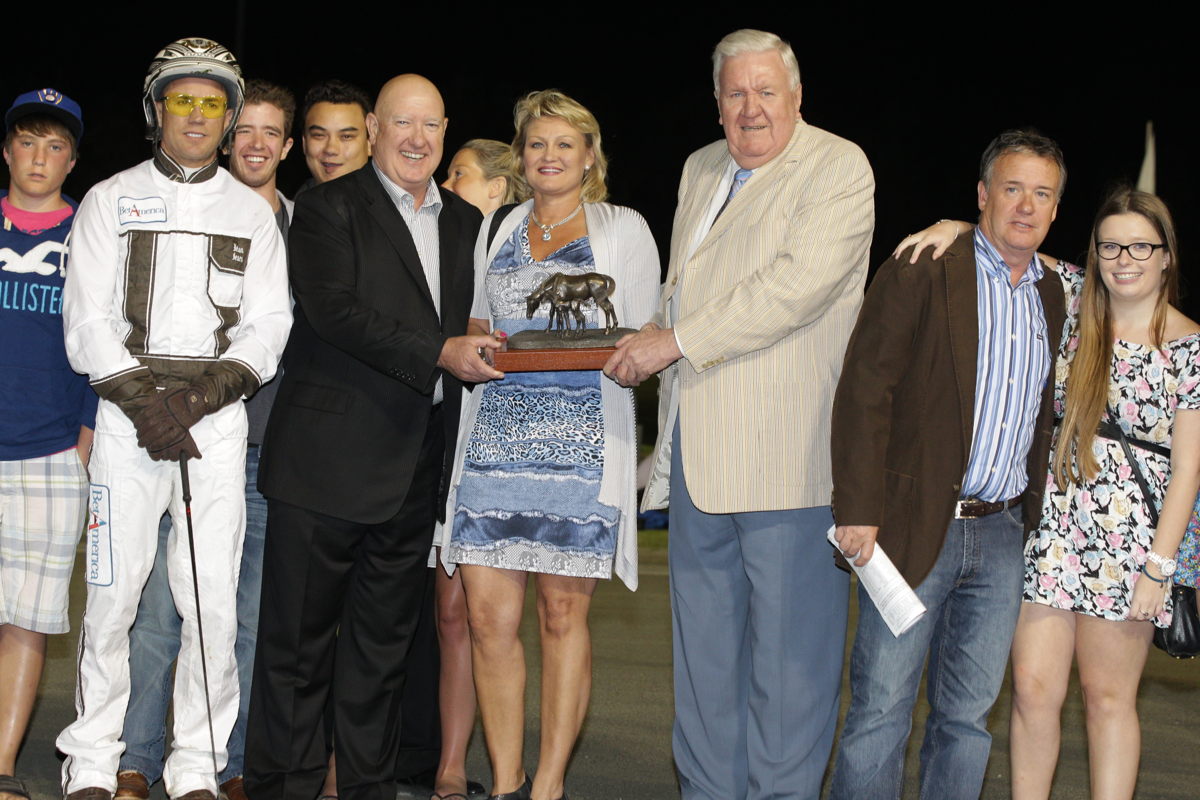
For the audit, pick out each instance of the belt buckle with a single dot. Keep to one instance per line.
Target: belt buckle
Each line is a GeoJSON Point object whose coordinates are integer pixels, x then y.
{"type": "Point", "coordinates": [960, 513]}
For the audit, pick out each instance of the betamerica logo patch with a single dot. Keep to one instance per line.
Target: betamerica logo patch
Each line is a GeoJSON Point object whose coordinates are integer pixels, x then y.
{"type": "Point", "coordinates": [141, 209]}
{"type": "Point", "coordinates": [99, 570]}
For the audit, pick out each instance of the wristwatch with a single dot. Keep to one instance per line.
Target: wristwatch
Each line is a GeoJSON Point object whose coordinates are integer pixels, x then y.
{"type": "Point", "coordinates": [1165, 565]}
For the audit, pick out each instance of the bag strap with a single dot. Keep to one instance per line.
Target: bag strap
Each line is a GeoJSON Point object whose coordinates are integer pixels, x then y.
{"type": "Point", "coordinates": [500, 215]}
{"type": "Point", "coordinates": [1109, 429]}
{"type": "Point", "coordinates": [1133, 465]}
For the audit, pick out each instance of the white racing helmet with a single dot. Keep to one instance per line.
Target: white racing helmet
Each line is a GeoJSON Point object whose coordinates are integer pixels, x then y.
{"type": "Point", "coordinates": [194, 57]}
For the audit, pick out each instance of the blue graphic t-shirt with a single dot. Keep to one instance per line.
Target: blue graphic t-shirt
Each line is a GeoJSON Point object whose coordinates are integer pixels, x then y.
{"type": "Point", "coordinates": [43, 402]}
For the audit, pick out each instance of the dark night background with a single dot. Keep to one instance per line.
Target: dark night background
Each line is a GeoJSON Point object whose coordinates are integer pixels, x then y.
{"type": "Point", "coordinates": [921, 100]}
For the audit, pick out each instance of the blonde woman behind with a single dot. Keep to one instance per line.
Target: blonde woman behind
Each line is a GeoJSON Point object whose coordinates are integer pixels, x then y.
{"type": "Point", "coordinates": [482, 174]}
{"type": "Point", "coordinates": [479, 173]}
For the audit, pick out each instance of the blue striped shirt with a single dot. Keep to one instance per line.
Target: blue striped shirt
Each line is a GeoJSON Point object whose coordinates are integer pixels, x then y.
{"type": "Point", "coordinates": [1010, 371]}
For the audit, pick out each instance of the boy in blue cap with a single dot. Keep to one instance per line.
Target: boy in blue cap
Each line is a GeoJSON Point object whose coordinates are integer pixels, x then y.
{"type": "Point", "coordinates": [47, 411]}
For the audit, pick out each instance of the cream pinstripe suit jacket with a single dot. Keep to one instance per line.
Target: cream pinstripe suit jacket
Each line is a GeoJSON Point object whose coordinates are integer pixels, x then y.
{"type": "Point", "coordinates": [766, 305]}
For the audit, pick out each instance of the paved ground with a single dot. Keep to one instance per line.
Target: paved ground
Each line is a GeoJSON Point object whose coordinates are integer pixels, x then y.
{"type": "Point", "coordinates": [624, 752]}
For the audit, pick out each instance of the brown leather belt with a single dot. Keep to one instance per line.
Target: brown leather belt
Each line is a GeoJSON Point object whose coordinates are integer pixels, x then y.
{"type": "Point", "coordinates": [969, 508]}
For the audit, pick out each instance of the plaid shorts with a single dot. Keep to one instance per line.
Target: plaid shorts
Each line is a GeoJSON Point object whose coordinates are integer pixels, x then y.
{"type": "Point", "coordinates": [42, 505]}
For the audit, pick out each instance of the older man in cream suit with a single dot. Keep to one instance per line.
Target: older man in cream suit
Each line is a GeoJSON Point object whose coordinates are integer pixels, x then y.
{"type": "Point", "coordinates": [768, 260]}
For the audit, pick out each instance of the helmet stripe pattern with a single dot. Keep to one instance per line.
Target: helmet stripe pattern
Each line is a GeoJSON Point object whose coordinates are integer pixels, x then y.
{"type": "Point", "coordinates": [193, 57]}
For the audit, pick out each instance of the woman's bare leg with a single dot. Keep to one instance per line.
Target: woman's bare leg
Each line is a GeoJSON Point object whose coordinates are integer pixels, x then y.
{"type": "Point", "coordinates": [1043, 649]}
{"type": "Point", "coordinates": [562, 605]}
{"type": "Point", "coordinates": [1111, 658]}
{"type": "Point", "coordinates": [456, 687]}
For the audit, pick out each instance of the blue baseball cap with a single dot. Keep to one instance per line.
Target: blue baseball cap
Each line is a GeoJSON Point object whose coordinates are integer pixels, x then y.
{"type": "Point", "coordinates": [51, 102]}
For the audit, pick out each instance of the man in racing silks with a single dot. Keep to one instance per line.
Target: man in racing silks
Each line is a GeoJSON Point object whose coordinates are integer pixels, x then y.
{"type": "Point", "coordinates": [176, 308]}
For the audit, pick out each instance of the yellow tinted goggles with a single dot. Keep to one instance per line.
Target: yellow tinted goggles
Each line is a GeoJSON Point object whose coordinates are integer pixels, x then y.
{"type": "Point", "coordinates": [181, 105]}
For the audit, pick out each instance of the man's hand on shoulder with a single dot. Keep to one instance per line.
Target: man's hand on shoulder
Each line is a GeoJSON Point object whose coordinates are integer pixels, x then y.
{"type": "Point", "coordinates": [642, 354]}
{"type": "Point", "coordinates": [857, 540]}
{"type": "Point", "coordinates": [462, 356]}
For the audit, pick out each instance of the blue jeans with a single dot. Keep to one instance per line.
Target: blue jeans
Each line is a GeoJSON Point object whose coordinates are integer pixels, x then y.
{"type": "Point", "coordinates": [154, 644]}
{"type": "Point", "coordinates": [759, 612]}
{"type": "Point", "coordinates": [973, 596]}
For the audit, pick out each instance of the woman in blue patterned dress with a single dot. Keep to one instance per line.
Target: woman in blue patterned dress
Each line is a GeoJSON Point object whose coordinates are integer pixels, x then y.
{"type": "Point", "coordinates": [544, 477]}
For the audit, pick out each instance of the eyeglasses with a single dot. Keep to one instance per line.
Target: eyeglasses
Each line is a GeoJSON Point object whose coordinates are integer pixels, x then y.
{"type": "Point", "coordinates": [1138, 251]}
{"type": "Point", "coordinates": [181, 105]}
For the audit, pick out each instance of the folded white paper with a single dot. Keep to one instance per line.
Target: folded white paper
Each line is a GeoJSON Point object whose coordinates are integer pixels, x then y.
{"type": "Point", "coordinates": [897, 603]}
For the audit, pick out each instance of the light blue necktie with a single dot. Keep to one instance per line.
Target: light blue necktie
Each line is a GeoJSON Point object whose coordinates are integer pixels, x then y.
{"type": "Point", "coordinates": [739, 180]}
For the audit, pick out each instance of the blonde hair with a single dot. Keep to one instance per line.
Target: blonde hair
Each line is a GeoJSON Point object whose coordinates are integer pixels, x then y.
{"type": "Point", "coordinates": [553, 103]}
{"type": "Point", "coordinates": [1087, 384]}
{"type": "Point", "coordinates": [496, 161]}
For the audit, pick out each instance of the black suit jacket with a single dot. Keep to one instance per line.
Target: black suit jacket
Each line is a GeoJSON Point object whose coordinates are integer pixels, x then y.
{"type": "Point", "coordinates": [904, 411]}
{"type": "Point", "coordinates": [360, 365]}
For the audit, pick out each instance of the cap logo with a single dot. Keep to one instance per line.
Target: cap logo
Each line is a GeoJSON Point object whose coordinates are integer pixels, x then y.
{"type": "Point", "coordinates": [49, 96]}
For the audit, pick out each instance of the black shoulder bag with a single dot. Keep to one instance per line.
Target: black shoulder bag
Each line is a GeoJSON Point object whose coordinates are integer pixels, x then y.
{"type": "Point", "coordinates": [1181, 639]}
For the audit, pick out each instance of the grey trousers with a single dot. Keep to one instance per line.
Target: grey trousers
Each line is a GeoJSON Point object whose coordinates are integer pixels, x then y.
{"type": "Point", "coordinates": [759, 612]}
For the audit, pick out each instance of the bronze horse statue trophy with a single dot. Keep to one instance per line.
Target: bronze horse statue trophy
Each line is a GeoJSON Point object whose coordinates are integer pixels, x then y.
{"type": "Point", "coordinates": [566, 293]}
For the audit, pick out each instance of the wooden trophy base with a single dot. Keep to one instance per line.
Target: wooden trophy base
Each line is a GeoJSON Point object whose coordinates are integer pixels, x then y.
{"type": "Point", "coordinates": [539, 351]}
{"type": "Point", "coordinates": [555, 360]}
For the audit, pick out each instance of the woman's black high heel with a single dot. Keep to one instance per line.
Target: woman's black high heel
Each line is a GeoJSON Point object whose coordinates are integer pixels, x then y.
{"type": "Point", "coordinates": [519, 794]}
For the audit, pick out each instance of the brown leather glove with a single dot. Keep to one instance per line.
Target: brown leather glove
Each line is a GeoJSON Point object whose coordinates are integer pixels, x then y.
{"type": "Point", "coordinates": [131, 392]}
{"type": "Point", "coordinates": [225, 382]}
{"type": "Point", "coordinates": [171, 451]}
{"type": "Point", "coordinates": [162, 426]}
{"type": "Point", "coordinates": [162, 418]}
{"type": "Point", "coordinates": [162, 423]}
{"type": "Point", "coordinates": [165, 439]}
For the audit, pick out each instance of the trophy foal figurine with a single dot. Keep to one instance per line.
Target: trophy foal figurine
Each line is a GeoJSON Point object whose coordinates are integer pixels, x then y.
{"type": "Point", "coordinates": [566, 293]}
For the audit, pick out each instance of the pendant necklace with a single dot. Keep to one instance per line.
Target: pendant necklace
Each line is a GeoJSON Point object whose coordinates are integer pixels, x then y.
{"type": "Point", "coordinates": [547, 228]}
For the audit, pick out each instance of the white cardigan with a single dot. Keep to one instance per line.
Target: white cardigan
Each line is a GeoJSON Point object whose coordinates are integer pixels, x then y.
{"type": "Point", "coordinates": [623, 248]}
